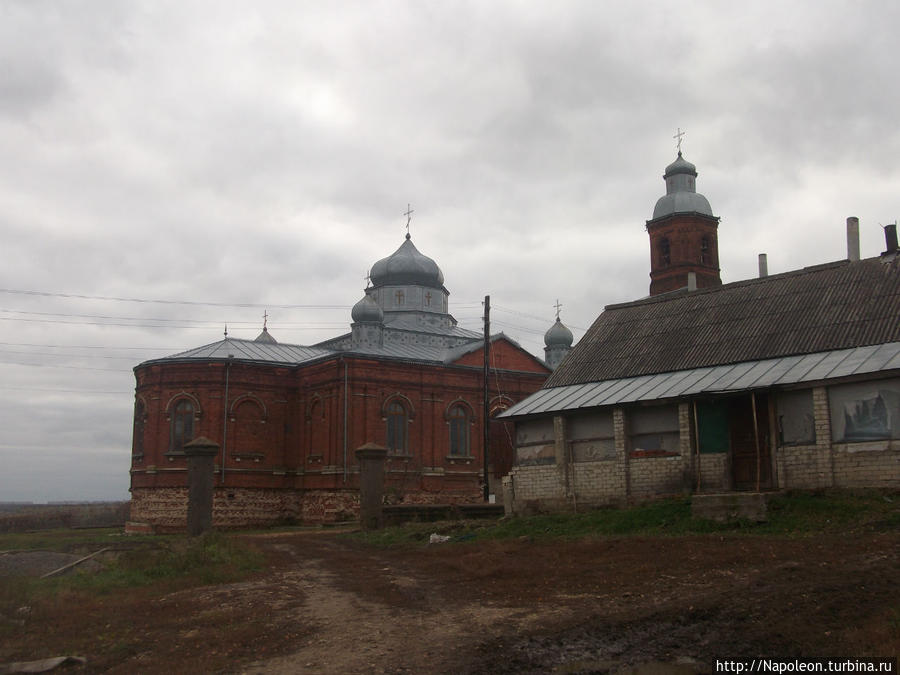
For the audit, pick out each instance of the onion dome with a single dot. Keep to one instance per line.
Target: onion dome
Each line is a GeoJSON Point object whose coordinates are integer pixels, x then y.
{"type": "Point", "coordinates": [367, 311]}
{"type": "Point", "coordinates": [266, 337]}
{"type": "Point", "coordinates": [558, 335]}
{"type": "Point", "coordinates": [407, 266]}
{"type": "Point", "coordinates": [681, 191]}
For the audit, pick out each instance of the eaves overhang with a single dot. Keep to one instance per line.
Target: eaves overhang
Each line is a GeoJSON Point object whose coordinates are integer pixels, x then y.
{"type": "Point", "coordinates": [729, 378]}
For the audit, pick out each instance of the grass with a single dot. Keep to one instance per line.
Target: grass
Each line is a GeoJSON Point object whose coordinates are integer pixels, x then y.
{"type": "Point", "coordinates": [64, 539]}
{"type": "Point", "coordinates": [793, 514]}
{"type": "Point", "coordinates": [158, 563]}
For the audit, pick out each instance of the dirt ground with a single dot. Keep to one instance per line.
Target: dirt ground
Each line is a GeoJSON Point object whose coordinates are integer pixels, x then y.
{"type": "Point", "coordinates": [326, 604]}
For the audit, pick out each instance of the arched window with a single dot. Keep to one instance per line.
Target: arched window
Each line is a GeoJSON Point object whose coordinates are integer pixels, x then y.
{"type": "Point", "coordinates": [458, 419]}
{"type": "Point", "coordinates": [665, 253]}
{"type": "Point", "coordinates": [182, 429]}
{"type": "Point", "coordinates": [704, 250]}
{"type": "Point", "coordinates": [137, 443]}
{"type": "Point", "coordinates": [397, 424]}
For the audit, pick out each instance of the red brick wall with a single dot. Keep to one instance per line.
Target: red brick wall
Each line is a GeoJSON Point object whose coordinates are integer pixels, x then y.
{"type": "Point", "coordinates": [685, 233]}
{"type": "Point", "coordinates": [285, 426]}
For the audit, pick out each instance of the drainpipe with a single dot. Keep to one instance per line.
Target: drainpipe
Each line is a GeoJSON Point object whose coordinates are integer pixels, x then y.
{"type": "Point", "coordinates": [225, 417]}
{"type": "Point", "coordinates": [346, 398]}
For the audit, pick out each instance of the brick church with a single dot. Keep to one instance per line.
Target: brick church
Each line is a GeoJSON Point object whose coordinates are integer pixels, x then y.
{"type": "Point", "coordinates": [288, 417]}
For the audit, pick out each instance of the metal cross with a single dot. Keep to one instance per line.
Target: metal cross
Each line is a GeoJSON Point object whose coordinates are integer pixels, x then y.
{"type": "Point", "coordinates": [265, 318]}
{"type": "Point", "coordinates": [679, 136]}
{"type": "Point", "coordinates": [408, 213]}
{"type": "Point", "coordinates": [558, 307]}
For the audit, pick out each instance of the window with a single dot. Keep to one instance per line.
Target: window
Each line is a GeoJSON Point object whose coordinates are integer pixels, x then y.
{"type": "Point", "coordinates": [796, 423]}
{"type": "Point", "coordinates": [458, 419]}
{"type": "Point", "coordinates": [182, 425]}
{"type": "Point", "coordinates": [654, 431]}
{"type": "Point", "coordinates": [865, 411]}
{"type": "Point", "coordinates": [140, 414]}
{"type": "Point", "coordinates": [591, 436]}
{"type": "Point", "coordinates": [704, 251]}
{"type": "Point", "coordinates": [665, 253]}
{"type": "Point", "coordinates": [397, 423]}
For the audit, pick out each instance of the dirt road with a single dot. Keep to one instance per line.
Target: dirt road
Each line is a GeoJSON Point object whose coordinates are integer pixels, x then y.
{"type": "Point", "coordinates": [329, 605]}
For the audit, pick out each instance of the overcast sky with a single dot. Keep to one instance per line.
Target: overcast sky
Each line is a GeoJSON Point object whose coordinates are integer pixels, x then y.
{"type": "Point", "coordinates": [167, 167]}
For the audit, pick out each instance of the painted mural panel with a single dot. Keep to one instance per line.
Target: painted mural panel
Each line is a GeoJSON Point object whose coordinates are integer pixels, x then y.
{"type": "Point", "coordinates": [865, 411]}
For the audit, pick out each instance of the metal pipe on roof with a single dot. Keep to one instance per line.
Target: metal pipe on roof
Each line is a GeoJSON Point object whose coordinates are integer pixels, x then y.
{"type": "Point", "coordinates": [890, 238]}
{"type": "Point", "coordinates": [763, 265]}
{"type": "Point", "coordinates": [852, 238]}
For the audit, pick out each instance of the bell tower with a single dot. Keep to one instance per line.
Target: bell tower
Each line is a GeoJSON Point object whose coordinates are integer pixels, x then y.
{"type": "Point", "coordinates": [683, 233]}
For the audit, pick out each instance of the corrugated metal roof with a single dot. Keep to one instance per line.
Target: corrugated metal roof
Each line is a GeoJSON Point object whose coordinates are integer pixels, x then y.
{"type": "Point", "coordinates": [818, 309]}
{"type": "Point", "coordinates": [713, 379]}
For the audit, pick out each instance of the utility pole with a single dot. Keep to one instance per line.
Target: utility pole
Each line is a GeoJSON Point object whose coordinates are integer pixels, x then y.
{"type": "Point", "coordinates": [486, 413]}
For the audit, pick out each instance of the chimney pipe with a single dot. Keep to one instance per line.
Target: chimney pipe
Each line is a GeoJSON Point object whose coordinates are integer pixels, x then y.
{"type": "Point", "coordinates": [852, 238]}
{"type": "Point", "coordinates": [763, 265]}
{"type": "Point", "coordinates": [890, 238]}
{"type": "Point", "coordinates": [692, 278]}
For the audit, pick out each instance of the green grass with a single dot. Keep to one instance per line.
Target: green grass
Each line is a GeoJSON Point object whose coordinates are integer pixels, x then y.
{"type": "Point", "coordinates": [170, 562]}
{"type": "Point", "coordinates": [799, 514]}
{"type": "Point", "coordinates": [65, 539]}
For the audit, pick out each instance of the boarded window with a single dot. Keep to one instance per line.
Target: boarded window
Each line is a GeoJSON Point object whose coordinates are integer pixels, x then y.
{"type": "Point", "coordinates": [712, 423]}
{"type": "Point", "coordinates": [534, 442]}
{"type": "Point", "coordinates": [654, 430]}
{"type": "Point", "coordinates": [866, 411]}
{"type": "Point", "coordinates": [591, 436]}
{"type": "Point", "coordinates": [796, 421]}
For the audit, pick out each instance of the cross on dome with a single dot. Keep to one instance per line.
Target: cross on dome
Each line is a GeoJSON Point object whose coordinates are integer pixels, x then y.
{"type": "Point", "coordinates": [679, 135]}
{"type": "Point", "coordinates": [408, 213]}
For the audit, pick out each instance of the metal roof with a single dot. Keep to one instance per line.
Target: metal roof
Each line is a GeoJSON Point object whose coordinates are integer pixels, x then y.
{"type": "Point", "coordinates": [250, 350]}
{"type": "Point", "coordinates": [735, 377]}
{"type": "Point", "coordinates": [830, 307]}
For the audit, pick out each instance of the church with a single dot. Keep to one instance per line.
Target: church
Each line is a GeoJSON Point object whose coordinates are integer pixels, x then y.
{"type": "Point", "coordinates": [785, 381]}
{"type": "Point", "coordinates": [287, 417]}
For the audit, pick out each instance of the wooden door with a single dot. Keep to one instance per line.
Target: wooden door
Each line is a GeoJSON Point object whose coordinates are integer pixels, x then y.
{"type": "Point", "coordinates": [745, 461]}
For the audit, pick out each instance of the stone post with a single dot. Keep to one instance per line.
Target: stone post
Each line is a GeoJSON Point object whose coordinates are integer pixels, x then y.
{"type": "Point", "coordinates": [200, 453]}
{"type": "Point", "coordinates": [371, 485]}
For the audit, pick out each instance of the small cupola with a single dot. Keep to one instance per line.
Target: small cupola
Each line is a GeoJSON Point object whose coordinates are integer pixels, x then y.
{"type": "Point", "coordinates": [558, 342]}
{"type": "Point", "coordinates": [367, 311]}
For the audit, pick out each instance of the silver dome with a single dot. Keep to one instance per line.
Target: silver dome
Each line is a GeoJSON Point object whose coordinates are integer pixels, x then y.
{"type": "Point", "coordinates": [407, 266]}
{"type": "Point", "coordinates": [367, 311]}
{"type": "Point", "coordinates": [558, 335]}
{"type": "Point", "coordinates": [681, 191]}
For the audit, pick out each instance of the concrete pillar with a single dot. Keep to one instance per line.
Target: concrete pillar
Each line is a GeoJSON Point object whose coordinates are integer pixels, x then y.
{"type": "Point", "coordinates": [201, 452]}
{"type": "Point", "coordinates": [371, 485]}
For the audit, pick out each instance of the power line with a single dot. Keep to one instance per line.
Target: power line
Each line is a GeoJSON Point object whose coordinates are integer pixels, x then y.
{"type": "Point", "coordinates": [78, 296]}
{"type": "Point", "coordinates": [49, 365]}
{"type": "Point", "coordinates": [65, 391]}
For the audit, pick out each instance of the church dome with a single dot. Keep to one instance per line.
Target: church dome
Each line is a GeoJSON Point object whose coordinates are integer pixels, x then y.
{"type": "Point", "coordinates": [558, 335]}
{"type": "Point", "coordinates": [266, 337]}
{"type": "Point", "coordinates": [681, 191]}
{"type": "Point", "coordinates": [680, 165]}
{"type": "Point", "coordinates": [407, 266]}
{"type": "Point", "coordinates": [367, 311]}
